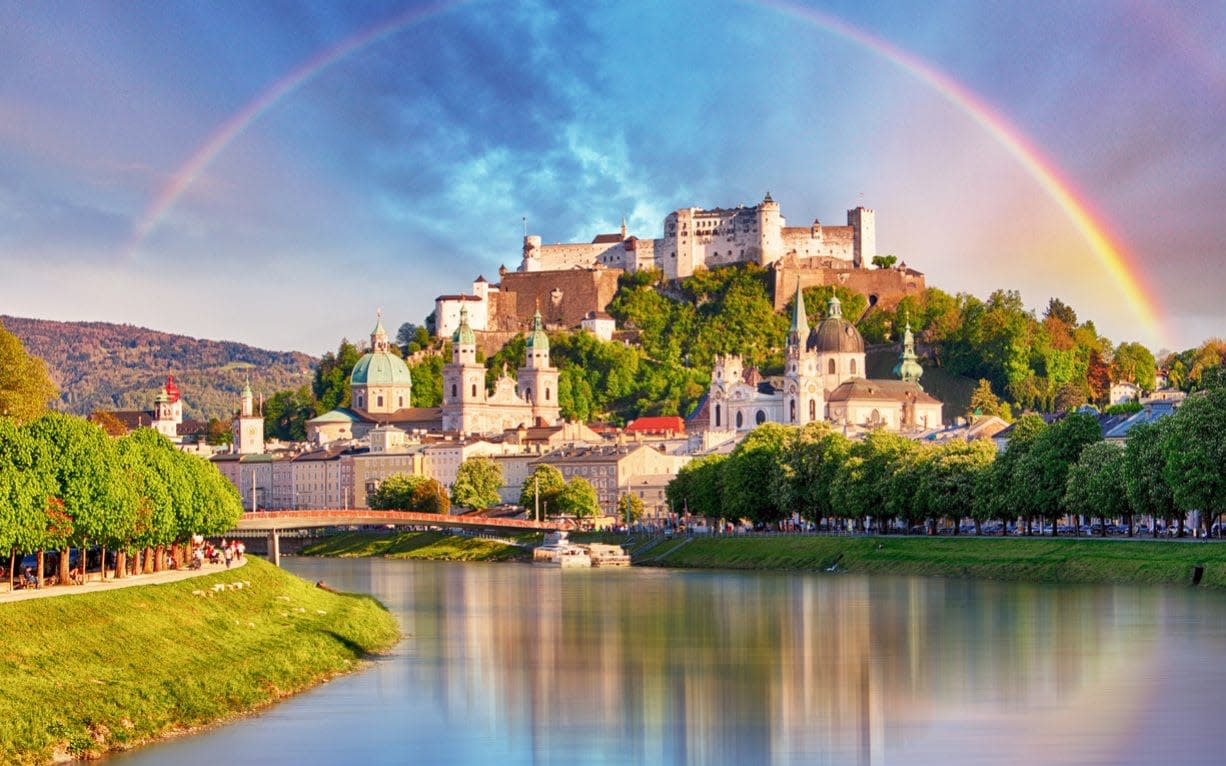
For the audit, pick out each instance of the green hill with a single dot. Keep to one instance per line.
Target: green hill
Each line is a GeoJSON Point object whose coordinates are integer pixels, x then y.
{"type": "Point", "coordinates": [104, 366]}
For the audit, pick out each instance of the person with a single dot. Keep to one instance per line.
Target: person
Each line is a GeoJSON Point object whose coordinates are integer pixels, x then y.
{"type": "Point", "coordinates": [198, 558]}
{"type": "Point", "coordinates": [28, 578]}
{"type": "Point", "coordinates": [74, 575]}
{"type": "Point", "coordinates": [241, 548]}
{"type": "Point", "coordinates": [227, 553]}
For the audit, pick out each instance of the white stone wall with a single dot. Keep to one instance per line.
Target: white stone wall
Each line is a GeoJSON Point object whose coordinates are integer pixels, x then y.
{"type": "Point", "coordinates": [447, 313]}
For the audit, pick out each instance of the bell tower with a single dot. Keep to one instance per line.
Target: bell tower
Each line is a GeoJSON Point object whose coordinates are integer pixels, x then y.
{"type": "Point", "coordinates": [463, 381]}
{"type": "Point", "coordinates": [538, 379]}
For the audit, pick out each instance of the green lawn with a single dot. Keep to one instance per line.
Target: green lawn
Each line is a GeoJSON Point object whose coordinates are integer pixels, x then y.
{"type": "Point", "coordinates": [82, 674]}
{"type": "Point", "coordinates": [416, 545]}
{"type": "Point", "coordinates": [1063, 560]}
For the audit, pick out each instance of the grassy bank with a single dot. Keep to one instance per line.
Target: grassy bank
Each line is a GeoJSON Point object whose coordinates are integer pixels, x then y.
{"type": "Point", "coordinates": [1060, 560]}
{"type": "Point", "coordinates": [87, 673]}
{"type": "Point", "coordinates": [438, 546]}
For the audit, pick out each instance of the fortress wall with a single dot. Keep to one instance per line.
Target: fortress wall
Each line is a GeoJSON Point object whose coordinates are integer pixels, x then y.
{"type": "Point", "coordinates": [564, 297]}
{"type": "Point", "coordinates": [569, 256]}
{"type": "Point", "coordinates": [889, 285]}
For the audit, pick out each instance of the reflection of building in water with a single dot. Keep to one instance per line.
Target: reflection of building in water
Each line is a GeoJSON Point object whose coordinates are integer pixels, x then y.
{"type": "Point", "coordinates": [751, 668]}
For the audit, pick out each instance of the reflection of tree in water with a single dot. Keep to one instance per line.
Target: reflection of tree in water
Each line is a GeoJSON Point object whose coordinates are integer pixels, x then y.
{"type": "Point", "coordinates": [694, 666]}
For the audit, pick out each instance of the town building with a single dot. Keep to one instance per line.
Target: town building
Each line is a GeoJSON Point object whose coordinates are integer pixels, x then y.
{"type": "Point", "coordinates": [166, 418]}
{"type": "Point", "coordinates": [612, 470]}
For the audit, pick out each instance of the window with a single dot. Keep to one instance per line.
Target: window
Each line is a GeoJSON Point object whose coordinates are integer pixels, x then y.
{"type": "Point", "coordinates": [853, 366]}
{"type": "Point", "coordinates": [546, 393]}
{"type": "Point", "coordinates": [453, 391]}
{"type": "Point", "coordinates": [830, 367]}
{"type": "Point", "coordinates": [359, 400]}
{"type": "Point", "coordinates": [812, 409]}
{"type": "Point", "coordinates": [760, 418]}
{"type": "Point", "coordinates": [400, 401]}
{"type": "Point", "coordinates": [717, 416]}
{"type": "Point", "coordinates": [793, 410]}
{"type": "Point", "coordinates": [379, 399]}
{"type": "Point", "coordinates": [474, 390]}
{"type": "Point", "coordinates": [739, 420]}
{"type": "Point", "coordinates": [528, 394]}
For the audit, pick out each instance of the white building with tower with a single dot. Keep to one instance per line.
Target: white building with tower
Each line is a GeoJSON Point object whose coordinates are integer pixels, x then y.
{"type": "Point", "coordinates": [248, 428]}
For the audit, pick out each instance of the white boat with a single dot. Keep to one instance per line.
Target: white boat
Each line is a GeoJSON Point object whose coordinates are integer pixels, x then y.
{"type": "Point", "coordinates": [561, 552]}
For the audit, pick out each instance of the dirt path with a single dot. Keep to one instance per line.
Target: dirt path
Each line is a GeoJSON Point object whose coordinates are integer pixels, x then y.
{"type": "Point", "coordinates": [94, 585]}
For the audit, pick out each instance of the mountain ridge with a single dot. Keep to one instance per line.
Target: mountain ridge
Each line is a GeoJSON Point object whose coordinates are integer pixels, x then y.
{"type": "Point", "coordinates": [110, 366]}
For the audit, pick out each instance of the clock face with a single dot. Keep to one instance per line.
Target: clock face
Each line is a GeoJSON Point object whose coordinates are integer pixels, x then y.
{"type": "Point", "coordinates": [812, 388]}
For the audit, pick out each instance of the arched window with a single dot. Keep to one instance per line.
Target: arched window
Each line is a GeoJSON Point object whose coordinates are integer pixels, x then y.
{"type": "Point", "coordinates": [760, 418]}
{"type": "Point", "coordinates": [739, 421]}
{"type": "Point", "coordinates": [453, 391]}
{"type": "Point", "coordinates": [379, 400]}
{"type": "Point", "coordinates": [474, 390]}
{"type": "Point", "coordinates": [853, 366]}
{"type": "Point", "coordinates": [830, 367]}
{"type": "Point", "coordinates": [400, 402]}
{"type": "Point", "coordinates": [812, 409]}
{"type": "Point", "coordinates": [360, 400]}
{"type": "Point", "coordinates": [717, 416]}
{"type": "Point", "coordinates": [874, 417]}
{"type": "Point", "coordinates": [793, 412]}
{"type": "Point", "coordinates": [528, 394]}
{"type": "Point", "coordinates": [546, 393]}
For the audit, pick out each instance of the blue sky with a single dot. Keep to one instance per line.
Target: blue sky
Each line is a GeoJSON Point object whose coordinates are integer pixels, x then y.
{"type": "Point", "coordinates": [404, 169]}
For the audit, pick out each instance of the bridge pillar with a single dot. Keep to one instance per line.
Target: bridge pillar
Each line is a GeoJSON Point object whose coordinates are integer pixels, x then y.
{"type": "Point", "coordinates": [274, 547]}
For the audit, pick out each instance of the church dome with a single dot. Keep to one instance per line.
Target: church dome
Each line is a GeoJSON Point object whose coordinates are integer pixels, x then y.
{"type": "Point", "coordinates": [835, 335]}
{"type": "Point", "coordinates": [380, 368]}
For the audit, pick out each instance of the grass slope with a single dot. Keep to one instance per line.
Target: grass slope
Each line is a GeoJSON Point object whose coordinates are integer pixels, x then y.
{"type": "Point", "coordinates": [438, 546]}
{"type": "Point", "coordinates": [1031, 560]}
{"type": "Point", "coordinates": [82, 674]}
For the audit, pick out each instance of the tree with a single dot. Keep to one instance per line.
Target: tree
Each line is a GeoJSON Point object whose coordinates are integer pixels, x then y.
{"type": "Point", "coordinates": [948, 487]}
{"type": "Point", "coordinates": [808, 464]}
{"type": "Point", "coordinates": [578, 499]}
{"type": "Point", "coordinates": [431, 497]}
{"type": "Point", "coordinates": [412, 338]}
{"type": "Point", "coordinates": [1134, 363]}
{"type": "Point", "coordinates": [697, 489]}
{"type": "Point", "coordinates": [1145, 472]}
{"type": "Point", "coordinates": [748, 475]}
{"type": "Point", "coordinates": [884, 261]}
{"type": "Point", "coordinates": [395, 493]}
{"type": "Point", "coordinates": [550, 482]}
{"type": "Point", "coordinates": [477, 483]}
{"type": "Point", "coordinates": [23, 493]}
{"type": "Point", "coordinates": [331, 383]}
{"type": "Point", "coordinates": [1196, 455]}
{"type": "Point", "coordinates": [1095, 485]}
{"type": "Point", "coordinates": [983, 401]}
{"type": "Point", "coordinates": [1061, 311]}
{"type": "Point", "coordinates": [1042, 475]}
{"type": "Point", "coordinates": [25, 387]}
{"type": "Point", "coordinates": [218, 432]}
{"type": "Point", "coordinates": [286, 414]}
{"type": "Point", "coordinates": [630, 508]}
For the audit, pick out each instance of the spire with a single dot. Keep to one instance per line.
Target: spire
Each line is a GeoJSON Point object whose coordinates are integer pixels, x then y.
{"type": "Point", "coordinates": [378, 336]}
{"type": "Point", "coordinates": [537, 339]}
{"type": "Point", "coordinates": [800, 321]}
{"type": "Point", "coordinates": [464, 334]}
{"type": "Point", "coordinates": [908, 367]}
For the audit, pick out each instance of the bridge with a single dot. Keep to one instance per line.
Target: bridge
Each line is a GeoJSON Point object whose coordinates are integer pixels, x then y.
{"type": "Point", "coordinates": [274, 522]}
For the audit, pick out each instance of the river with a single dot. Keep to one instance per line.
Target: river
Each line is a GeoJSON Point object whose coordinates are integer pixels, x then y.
{"type": "Point", "coordinates": [511, 664]}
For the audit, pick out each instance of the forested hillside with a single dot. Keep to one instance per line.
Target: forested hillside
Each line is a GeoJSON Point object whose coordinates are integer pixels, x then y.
{"type": "Point", "coordinates": [98, 365]}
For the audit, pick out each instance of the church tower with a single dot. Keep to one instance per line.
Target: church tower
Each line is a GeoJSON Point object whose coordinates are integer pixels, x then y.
{"type": "Point", "coordinates": [803, 400]}
{"type": "Point", "coordinates": [538, 379]}
{"type": "Point", "coordinates": [463, 381]}
{"type": "Point", "coordinates": [164, 421]}
{"type": "Point", "coordinates": [248, 427]}
{"type": "Point", "coordinates": [908, 367]}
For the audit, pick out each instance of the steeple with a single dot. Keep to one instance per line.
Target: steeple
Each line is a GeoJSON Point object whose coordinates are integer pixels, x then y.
{"type": "Point", "coordinates": [464, 334]}
{"type": "Point", "coordinates": [537, 339]}
{"type": "Point", "coordinates": [378, 336]}
{"type": "Point", "coordinates": [908, 368]}
{"type": "Point", "coordinates": [248, 400]}
{"type": "Point", "coordinates": [834, 308]}
{"type": "Point", "coordinates": [800, 321]}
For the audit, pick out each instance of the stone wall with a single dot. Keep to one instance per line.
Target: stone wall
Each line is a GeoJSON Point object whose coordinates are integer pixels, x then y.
{"type": "Point", "coordinates": [563, 297]}
{"type": "Point", "coordinates": [884, 287]}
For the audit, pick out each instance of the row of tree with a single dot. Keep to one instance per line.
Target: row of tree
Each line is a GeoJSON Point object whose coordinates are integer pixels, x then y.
{"type": "Point", "coordinates": [65, 484]}
{"type": "Point", "coordinates": [1170, 467]}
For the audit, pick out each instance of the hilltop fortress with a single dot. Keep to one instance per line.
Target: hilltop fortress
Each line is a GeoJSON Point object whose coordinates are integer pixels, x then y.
{"type": "Point", "coordinates": [571, 284]}
{"type": "Point", "coordinates": [695, 238]}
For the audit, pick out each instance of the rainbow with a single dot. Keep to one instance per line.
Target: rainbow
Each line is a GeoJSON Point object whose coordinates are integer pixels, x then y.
{"type": "Point", "coordinates": [1092, 227]}
{"type": "Point", "coordinates": [186, 175]}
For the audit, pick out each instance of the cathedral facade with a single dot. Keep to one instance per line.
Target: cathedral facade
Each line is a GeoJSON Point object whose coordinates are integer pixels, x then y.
{"type": "Point", "coordinates": [823, 381]}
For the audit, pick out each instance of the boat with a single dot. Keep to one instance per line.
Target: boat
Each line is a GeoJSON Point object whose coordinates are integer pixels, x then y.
{"type": "Point", "coordinates": [557, 550]}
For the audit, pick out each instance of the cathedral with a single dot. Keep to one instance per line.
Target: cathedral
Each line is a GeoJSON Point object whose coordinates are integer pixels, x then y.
{"type": "Point", "coordinates": [381, 388]}
{"type": "Point", "coordinates": [823, 380]}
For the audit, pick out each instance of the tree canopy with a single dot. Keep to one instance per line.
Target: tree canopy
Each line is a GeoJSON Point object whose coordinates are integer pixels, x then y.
{"type": "Point", "coordinates": [25, 387]}
{"type": "Point", "coordinates": [477, 483]}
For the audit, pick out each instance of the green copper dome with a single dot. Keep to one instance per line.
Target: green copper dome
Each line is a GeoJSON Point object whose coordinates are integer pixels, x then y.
{"type": "Point", "coordinates": [380, 368]}
{"type": "Point", "coordinates": [464, 334]}
{"type": "Point", "coordinates": [537, 339]}
{"type": "Point", "coordinates": [908, 368]}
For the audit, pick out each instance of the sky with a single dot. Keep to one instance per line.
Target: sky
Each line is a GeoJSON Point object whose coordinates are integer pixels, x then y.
{"type": "Point", "coordinates": [275, 173]}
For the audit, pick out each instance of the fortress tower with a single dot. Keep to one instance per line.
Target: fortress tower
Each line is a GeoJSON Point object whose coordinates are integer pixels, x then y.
{"type": "Point", "coordinates": [863, 223]}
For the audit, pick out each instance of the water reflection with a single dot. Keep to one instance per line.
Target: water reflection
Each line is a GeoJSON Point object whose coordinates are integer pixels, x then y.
{"type": "Point", "coordinates": [531, 665]}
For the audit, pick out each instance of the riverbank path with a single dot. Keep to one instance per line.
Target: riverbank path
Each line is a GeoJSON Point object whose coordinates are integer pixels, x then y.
{"type": "Point", "coordinates": [128, 581]}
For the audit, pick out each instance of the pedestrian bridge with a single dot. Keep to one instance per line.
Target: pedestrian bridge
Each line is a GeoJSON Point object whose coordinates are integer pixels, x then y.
{"type": "Point", "coordinates": [275, 522]}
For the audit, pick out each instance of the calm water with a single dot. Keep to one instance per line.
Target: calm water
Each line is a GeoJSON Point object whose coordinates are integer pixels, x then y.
{"type": "Point", "coordinates": [515, 664]}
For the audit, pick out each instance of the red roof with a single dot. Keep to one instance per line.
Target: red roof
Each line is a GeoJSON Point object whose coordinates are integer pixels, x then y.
{"type": "Point", "coordinates": [172, 389]}
{"type": "Point", "coordinates": [658, 424]}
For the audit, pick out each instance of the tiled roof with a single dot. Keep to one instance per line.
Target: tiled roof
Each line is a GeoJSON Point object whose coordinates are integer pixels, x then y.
{"type": "Point", "coordinates": [879, 390]}
{"type": "Point", "coordinates": [659, 423]}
